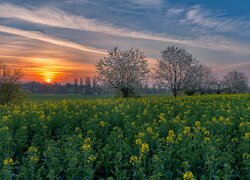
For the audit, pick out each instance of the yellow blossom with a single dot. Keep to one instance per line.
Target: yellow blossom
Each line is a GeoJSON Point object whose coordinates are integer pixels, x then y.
{"type": "Point", "coordinates": [33, 149]}
{"type": "Point", "coordinates": [247, 135]}
{"type": "Point", "coordinates": [150, 130]}
{"type": "Point", "coordinates": [86, 147]}
{"type": "Point", "coordinates": [138, 141]}
{"type": "Point", "coordinates": [187, 130]}
{"type": "Point", "coordinates": [34, 158]}
{"type": "Point", "coordinates": [133, 160]}
{"type": "Point", "coordinates": [144, 148]}
{"type": "Point", "coordinates": [188, 175]}
{"type": "Point", "coordinates": [8, 161]}
{"type": "Point", "coordinates": [207, 139]}
{"type": "Point", "coordinates": [141, 134]}
{"type": "Point", "coordinates": [91, 158]}
{"type": "Point", "coordinates": [171, 136]}
{"type": "Point", "coordinates": [103, 123]}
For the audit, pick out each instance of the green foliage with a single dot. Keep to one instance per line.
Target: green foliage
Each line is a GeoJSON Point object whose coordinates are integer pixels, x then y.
{"type": "Point", "coordinates": [202, 137]}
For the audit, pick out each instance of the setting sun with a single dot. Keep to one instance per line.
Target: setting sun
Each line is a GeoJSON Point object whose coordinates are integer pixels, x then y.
{"type": "Point", "coordinates": [48, 80]}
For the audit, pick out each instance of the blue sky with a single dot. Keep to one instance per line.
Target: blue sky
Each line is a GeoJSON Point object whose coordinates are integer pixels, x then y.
{"type": "Point", "coordinates": [65, 38]}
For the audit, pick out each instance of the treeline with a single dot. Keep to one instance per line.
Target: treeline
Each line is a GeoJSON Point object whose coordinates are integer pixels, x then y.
{"type": "Point", "coordinates": [177, 70]}
{"type": "Point", "coordinates": [88, 86]}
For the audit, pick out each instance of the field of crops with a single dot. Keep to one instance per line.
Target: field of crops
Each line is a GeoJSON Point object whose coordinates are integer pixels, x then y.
{"type": "Point", "coordinates": [201, 137]}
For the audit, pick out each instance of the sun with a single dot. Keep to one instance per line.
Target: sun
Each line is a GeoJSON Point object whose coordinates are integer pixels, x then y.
{"type": "Point", "coordinates": [48, 80]}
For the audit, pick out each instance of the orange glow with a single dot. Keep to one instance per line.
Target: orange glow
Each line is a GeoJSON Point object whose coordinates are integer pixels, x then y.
{"type": "Point", "coordinates": [51, 70]}
{"type": "Point", "coordinates": [48, 76]}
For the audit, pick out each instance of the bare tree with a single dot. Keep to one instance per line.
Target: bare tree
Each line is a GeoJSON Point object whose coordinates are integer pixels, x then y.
{"type": "Point", "coordinates": [235, 82]}
{"type": "Point", "coordinates": [10, 83]}
{"type": "Point", "coordinates": [124, 71]}
{"type": "Point", "coordinates": [174, 69]}
{"type": "Point", "coordinates": [203, 79]}
{"type": "Point", "coordinates": [218, 86]}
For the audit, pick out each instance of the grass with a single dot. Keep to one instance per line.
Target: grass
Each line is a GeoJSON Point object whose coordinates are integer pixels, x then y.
{"type": "Point", "coordinates": [59, 97]}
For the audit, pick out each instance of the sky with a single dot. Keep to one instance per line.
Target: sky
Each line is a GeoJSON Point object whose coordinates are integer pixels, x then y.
{"type": "Point", "coordinates": [59, 40]}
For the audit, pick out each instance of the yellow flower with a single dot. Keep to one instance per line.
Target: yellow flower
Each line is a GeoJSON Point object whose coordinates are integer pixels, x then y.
{"type": "Point", "coordinates": [207, 139]}
{"type": "Point", "coordinates": [138, 141]}
{"type": "Point", "coordinates": [91, 158]}
{"type": "Point", "coordinates": [234, 139]}
{"type": "Point", "coordinates": [33, 149]}
{"type": "Point", "coordinates": [187, 130]}
{"type": "Point", "coordinates": [162, 117]}
{"type": "Point", "coordinates": [133, 160]}
{"type": "Point", "coordinates": [150, 130]}
{"type": "Point", "coordinates": [144, 148]}
{"type": "Point", "coordinates": [188, 175]}
{"type": "Point", "coordinates": [34, 158]}
{"type": "Point", "coordinates": [242, 124]}
{"type": "Point", "coordinates": [141, 134]}
{"type": "Point", "coordinates": [8, 161]}
{"type": "Point", "coordinates": [86, 147]}
{"type": "Point", "coordinates": [247, 135]}
{"type": "Point", "coordinates": [198, 124]}
{"type": "Point", "coordinates": [87, 140]}
{"type": "Point", "coordinates": [103, 123]}
{"type": "Point", "coordinates": [170, 137]}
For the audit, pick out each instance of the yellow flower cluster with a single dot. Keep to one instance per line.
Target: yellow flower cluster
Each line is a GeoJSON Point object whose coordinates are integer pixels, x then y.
{"type": "Point", "coordinates": [33, 149]}
{"type": "Point", "coordinates": [134, 160]}
{"type": "Point", "coordinates": [171, 136]}
{"type": "Point", "coordinates": [247, 135]}
{"type": "Point", "coordinates": [187, 130]}
{"type": "Point", "coordinates": [150, 130]}
{"type": "Point", "coordinates": [188, 175]}
{"type": "Point", "coordinates": [86, 145]}
{"type": "Point", "coordinates": [34, 158]}
{"type": "Point", "coordinates": [144, 148]}
{"type": "Point", "coordinates": [138, 141]}
{"type": "Point", "coordinates": [102, 123]}
{"type": "Point", "coordinates": [91, 158]}
{"type": "Point", "coordinates": [8, 161]}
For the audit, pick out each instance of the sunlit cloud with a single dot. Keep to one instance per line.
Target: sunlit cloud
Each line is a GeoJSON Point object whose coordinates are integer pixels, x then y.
{"type": "Point", "coordinates": [50, 39]}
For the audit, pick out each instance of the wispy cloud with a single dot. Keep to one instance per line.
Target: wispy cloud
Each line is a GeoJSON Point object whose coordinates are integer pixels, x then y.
{"type": "Point", "coordinates": [232, 66]}
{"type": "Point", "coordinates": [50, 39]}
{"type": "Point", "coordinates": [175, 11]}
{"type": "Point", "coordinates": [147, 2]}
{"type": "Point", "coordinates": [58, 18]}
{"type": "Point", "coordinates": [213, 20]}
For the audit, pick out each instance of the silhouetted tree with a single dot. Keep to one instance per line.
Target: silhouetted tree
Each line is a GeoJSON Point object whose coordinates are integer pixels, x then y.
{"type": "Point", "coordinates": [81, 86]}
{"type": "Point", "coordinates": [88, 85]}
{"type": "Point", "coordinates": [10, 83]}
{"type": "Point", "coordinates": [76, 85]}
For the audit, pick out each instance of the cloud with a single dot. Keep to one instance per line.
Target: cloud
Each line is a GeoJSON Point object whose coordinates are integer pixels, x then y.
{"type": "Point", "coordinates": [46, 38]}
{"type": "Point", "coordinates": [175, 11]}
{"type": "Point", "coordinates": [147, 2]}
{"type": "Point", "coordinates": [212, 20]}
{"type": "Point", "coordinates": [58, 18]}
{"type": "Point", "coordinates": [232, 66]}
